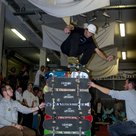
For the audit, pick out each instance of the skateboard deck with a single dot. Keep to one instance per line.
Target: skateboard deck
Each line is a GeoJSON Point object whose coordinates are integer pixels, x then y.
{"type": "Point", "coordinates": [73, 74]}
{"type": "Point", "coordinates": [71, 84]}
{"type": "Point", "coordinates": [67, 124]}
{"type": "Point", "coordinates": [67, 103]}
{"type": "Point", "coordinates": [65, 97]}
{"type": "Point", "coordinates": [58, 74]}
{"type": "Point", "coordinates": [88, 117]}
{"type": "Point", "coordinates": [66, 133]}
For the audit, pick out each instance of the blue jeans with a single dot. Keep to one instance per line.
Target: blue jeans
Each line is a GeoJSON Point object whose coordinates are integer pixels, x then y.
{"type": "Point", "coordinates": [35, 122]}
{"type": "Point", "coordinates": [125, 128]}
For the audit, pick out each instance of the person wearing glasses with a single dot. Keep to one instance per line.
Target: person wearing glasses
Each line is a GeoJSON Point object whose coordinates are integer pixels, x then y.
{"type": "Point", "coordinates": [80, 42]}
{"type": "Point", "coordinates": [9, 115]}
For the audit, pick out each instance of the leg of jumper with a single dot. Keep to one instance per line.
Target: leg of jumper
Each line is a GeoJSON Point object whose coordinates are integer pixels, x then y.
{"type": "Point", "coordinates": [71, 44]}
{"type": "Point", "coordinates": [87, 53]}
{"type": "Point", "coordinates": [10, 131]}
{"type": "Point", "coordinates": [65, 47]}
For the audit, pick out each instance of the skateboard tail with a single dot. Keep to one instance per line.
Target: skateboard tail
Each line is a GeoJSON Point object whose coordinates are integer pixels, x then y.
{"type": "Point", "coordinates": [89, 118]}
{"type": "Point", "coordinates": [48, 117]}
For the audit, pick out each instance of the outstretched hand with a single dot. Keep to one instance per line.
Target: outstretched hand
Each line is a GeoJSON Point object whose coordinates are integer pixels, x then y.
{"type": "Point", "coordinates": [110, 58]}
{"type": "Point", "coordinates": [68, 29]}
{"type": "Point", "coordinates": [42, 105]}
{"type": "Point", "coordinates": [91, 84]}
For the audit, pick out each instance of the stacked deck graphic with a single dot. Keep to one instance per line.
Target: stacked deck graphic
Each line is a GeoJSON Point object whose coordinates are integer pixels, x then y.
{"type": "Point", "coordinates": [67, 107]}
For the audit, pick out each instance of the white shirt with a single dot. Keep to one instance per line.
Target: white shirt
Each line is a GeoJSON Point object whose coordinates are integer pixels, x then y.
{"type": "Point", "coordinates": [19, 96]}
{"type": "Point", "coordinates": [36, 103]}
{"type": "Point", "coordinates": [130, 102]}
{"type": "Point", "coordinates": [29, 97]}
{"type": "Point", "coordinates": [37, 77]}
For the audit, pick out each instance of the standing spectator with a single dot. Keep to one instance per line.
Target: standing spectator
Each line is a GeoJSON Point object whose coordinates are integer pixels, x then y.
{"type": "Point", "coordinates": [9, 114]}
{"type": "Point", "coordinates": [23, 77]}
{"type": "Point", "coordinates": [47, 71]}
{"type": "Point", "coordinates": [28, 98]}
{"type": "Point", "coordinates": [128, 127]}
{"type": "Point", "coordinates": [35, 124]}
{"type": "Point", "coordinates": [19, 94]}
{"type": "Point", "coordinates": [41, 112]}
{"type": "Point", "coordinates": [12, 78]}
{"type": "Point", "coordinates": [19, 98]}
{"type": "Point", "coordinates": [39, 77]}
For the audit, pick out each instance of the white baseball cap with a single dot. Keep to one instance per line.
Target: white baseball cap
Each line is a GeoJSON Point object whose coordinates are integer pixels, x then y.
{"type": "Point", "coordinates": [91, 28]}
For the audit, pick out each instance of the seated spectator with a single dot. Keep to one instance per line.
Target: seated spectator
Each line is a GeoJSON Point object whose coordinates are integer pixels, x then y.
{"type": "Point", "coordinates": [28, 99]}
{"type": "Point", "coordinates": [19, 94]}
{"type": "Point", "coordinates": [9, 115]}
{"type": "Point", "coordinates": [19, 98]}
{"type": "Point", "coordinates": [39, 77]}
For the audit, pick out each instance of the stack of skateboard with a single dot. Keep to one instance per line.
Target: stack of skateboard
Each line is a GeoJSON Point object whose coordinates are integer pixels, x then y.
{"type": "Point", "coordinates": [67, 107]}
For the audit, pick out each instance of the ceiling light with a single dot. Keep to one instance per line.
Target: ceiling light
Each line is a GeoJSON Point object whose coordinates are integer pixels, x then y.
{"type": "Point", "coordinates": [124, 55]}
{"type": "Point", "coordinates": [122, 29]}
{"type": "Point", "coordinates": [48, 59]}
{"type": "Point", "coordinates": [18, 34]}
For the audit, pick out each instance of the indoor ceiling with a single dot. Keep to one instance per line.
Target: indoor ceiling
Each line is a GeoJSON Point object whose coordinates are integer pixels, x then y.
{"type": "Point", "coordinates": [28, 19]}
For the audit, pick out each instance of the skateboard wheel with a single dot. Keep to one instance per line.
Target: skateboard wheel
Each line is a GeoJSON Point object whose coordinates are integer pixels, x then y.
{"type": "Point", "coordinates": [80, 122]}
{"type": "Point", "coordinates": [80, 113]}
{"type": "Point", "coordinates": [53, 121]}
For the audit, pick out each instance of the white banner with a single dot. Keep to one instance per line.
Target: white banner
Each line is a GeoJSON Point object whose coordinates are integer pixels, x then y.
{"type": "Point", "coordinates": [105, 36]}
{"type": "Point", "coordinates": [62, 8]}
{"type": "Point", "coordinates": [106, 72]}
{"type": "Point", "coordinates": [53, 38]}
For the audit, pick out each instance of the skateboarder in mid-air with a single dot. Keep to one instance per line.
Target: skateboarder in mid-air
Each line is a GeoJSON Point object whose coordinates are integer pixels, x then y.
{"type": "Point", "coordinates": [80, 42]}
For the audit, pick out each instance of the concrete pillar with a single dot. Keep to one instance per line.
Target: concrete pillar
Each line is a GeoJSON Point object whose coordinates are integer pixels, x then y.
{"type": "Point", "coordinates": [43, 57]}
{"type": "Point", "coordinates": [3, 64]}
{"type": "Point", "coordinates": [63, 59]}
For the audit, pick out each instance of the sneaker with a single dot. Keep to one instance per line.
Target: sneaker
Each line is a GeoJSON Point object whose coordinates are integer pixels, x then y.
{"type": "Point", "coordinates": [73, 60]}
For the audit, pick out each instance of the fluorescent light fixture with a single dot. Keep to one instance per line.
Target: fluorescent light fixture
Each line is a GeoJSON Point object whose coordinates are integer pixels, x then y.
{"type": "Point", "coordinates": [18, 34]}
{"type": "Point", "coordinates": [122, 29]}
{"type": "Point", "coordinates": [124, 55]}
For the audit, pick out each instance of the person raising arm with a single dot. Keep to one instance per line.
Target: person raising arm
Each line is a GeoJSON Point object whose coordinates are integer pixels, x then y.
{"type": "Point", "coordinates": [128, 127]}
